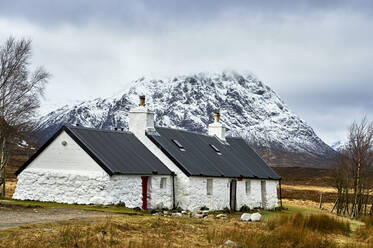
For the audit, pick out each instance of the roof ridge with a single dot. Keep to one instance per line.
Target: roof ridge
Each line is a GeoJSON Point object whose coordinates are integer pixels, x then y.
{"type": "Point", "coordinates": [98, 130]}
{"type": "Point", "coordinates": [186, 131]}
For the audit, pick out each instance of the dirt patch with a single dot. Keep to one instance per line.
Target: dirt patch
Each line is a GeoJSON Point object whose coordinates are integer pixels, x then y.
{"type": "Point", "coordinates": [12, 215]}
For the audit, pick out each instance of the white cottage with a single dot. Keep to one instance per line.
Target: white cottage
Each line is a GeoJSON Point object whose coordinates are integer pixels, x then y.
{"type": "Point", "coordinates": [148, 167]}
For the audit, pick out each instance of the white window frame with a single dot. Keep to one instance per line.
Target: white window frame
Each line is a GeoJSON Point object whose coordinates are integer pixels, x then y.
{"type": "Point", "coordinates": [163, 183]}
{"type": "Point", "coordinates": [209, 186]}
{"type": "Point", "coordinates": [248, 187]}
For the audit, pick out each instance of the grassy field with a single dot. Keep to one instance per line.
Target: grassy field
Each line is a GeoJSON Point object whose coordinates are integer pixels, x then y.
{"type": "Point", "coordinates": [298, 226]}
{"type": "Point", "coordinates": [301, 224]}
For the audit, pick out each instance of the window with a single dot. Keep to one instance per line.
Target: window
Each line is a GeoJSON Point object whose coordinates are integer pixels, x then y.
{"type": "Point", "coordinates": [179, 145]}
{"type": "Point", "coordinates": [163, 183]}
{"type": "Point", "coordinates": [209, 186]}
{"type": "Point", "coordinates": [215, 149]}
{"type": "Point", "coordinates": [247, 187]}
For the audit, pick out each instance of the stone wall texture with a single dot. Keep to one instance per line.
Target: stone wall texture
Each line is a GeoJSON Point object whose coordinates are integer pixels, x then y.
{"type": "Point", "coordinates": [84, 187]}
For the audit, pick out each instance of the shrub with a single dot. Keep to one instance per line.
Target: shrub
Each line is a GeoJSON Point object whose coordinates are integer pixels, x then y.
{"type": "Point", "coordinates": [121, 204]}
{"type": "Point", "coordinates": [244, 208]}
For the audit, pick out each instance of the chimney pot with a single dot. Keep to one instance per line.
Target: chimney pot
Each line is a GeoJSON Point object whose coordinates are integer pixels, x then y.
{"type": "Point", "coordinates": [142, 101]}
{"type": "Point", "coordinates": [216, 115]}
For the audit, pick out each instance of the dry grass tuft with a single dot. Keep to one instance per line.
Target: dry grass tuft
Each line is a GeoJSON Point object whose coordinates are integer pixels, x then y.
{"type": "Point", "coordinates": [365, 232]}
{"type": "Point", "coordinates": [315, 222]}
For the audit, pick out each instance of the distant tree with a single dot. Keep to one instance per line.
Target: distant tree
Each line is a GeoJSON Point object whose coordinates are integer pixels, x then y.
{"type": "Point", "coordinates": [20, 93]}
{"type": "Point", "coordinates": [351, 171]}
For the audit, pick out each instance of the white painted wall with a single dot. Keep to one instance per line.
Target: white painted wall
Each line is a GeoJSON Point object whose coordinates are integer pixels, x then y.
{"type": "Point", "coordinates": [198, 193]}
{"type": "Point", "coordinates": [160, 197]}
{"type": "Point", "coordinates": [220, 197]}
{"type": "Point", "coordinates": [69, 157]}
{"type": "Point", "coordinates": [272, 200]}
{"type": "Point", "coordinates": [84, 187]}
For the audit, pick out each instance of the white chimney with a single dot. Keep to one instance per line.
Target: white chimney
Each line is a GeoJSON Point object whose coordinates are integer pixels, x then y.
{"type": "Point", "coordinates": [217, 128]}
{"type": "Point", "coordinates": [141, 119]}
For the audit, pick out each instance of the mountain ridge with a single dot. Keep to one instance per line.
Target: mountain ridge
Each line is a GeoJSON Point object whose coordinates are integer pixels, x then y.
{"type": "Point", "coordinates": [249, 108]}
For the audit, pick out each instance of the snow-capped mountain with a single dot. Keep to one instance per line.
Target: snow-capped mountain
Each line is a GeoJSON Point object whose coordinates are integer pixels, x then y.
{"type": "Point", "coordinates": [248, 108]}
{"type": "Point", "coordinates": [337, 146]}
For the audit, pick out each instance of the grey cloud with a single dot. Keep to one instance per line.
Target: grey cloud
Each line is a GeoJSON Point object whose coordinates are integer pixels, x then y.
{"type": "Point", "coordinates": [147, 14]}
{"type": "Point", "coordinates": [316, 54]}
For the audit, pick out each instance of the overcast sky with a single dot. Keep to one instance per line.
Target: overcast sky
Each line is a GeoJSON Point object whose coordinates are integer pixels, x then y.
{"type": "Point", "coordinates": [317, 55]}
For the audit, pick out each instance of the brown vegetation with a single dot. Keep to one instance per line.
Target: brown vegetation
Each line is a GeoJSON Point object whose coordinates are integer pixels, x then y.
{"type": "Point", "coordinates": [296, 230]}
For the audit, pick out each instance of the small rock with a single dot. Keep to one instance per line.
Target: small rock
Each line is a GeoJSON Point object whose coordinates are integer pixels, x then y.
{"type": "Point", "coordinates": [256, 217]}
{"type": "Point", "coordinates": [184, 212]}
{"type": "Point", "coordinates": [230, 243]}
{"type": "Point", "coordinates": [222, 216]}
{"type": "Point", "coordinates": [245, 217]}
{"type": "Point", "coordinates": [176, 215]}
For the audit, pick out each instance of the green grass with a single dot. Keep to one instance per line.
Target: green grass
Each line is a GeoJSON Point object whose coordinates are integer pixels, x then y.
{"type": "Point", "coordinates": [109, 208]}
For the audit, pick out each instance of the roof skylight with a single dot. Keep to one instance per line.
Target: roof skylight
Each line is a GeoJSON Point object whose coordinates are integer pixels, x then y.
{"type": "Point", "coordinates": [215, 149]}
{"type": "Point", "coordinates": [178, 144]}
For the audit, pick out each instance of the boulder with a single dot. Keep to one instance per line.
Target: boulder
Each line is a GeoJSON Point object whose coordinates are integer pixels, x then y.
{"type": "Point", "coordinates": [245, 217]}
{"type": "Point", "coordinates": [256, 217]}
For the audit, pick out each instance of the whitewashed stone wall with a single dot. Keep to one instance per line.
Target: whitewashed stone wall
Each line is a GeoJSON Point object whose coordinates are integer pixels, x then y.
{"type": "Point", "coordinates": [160, 197]}
{"type": "Point", "coordinates": [272, 200]}
{"type": "Point", "coordinates": [220, 197]}
{"type": "Point", "coordinates": [198, 193]}
{"type": "Point", "coordinates": [84, 187]}
{"type": "Point", "coordinates": [253, 198]}
{"type": "Point", "coordinates": [62, 186]}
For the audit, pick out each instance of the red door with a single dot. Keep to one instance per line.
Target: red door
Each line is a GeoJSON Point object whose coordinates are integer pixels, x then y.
{"type": "Point", "coordinates": [144, 183]}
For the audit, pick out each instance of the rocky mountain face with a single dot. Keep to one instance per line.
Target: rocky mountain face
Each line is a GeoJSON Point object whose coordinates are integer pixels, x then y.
{"type": "Point", "coordinates": [248, 108]}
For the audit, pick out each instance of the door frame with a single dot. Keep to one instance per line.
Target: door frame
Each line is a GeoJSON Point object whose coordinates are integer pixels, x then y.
{"type": "Point", "coordinates": [233, 194]}
{"type": "Point", "coordinates": [263, 189]}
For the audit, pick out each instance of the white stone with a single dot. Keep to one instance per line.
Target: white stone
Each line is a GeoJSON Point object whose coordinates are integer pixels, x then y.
{"type": "Point", "coordinates": [256, 217]}
{"type": "Point", "coordinates": [177, 215]}
{"type": "Point", "coordinates": [230, 243]}
{"type": "Point", "coordinates": [222, 216]}
{"type": "Point", "coordinates": [245, 217]}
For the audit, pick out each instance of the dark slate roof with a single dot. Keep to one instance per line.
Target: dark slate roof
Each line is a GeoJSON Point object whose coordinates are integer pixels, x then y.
{"type": "Point", "coordinates": [117, 152]}
{"type": "Point", "coordinates": [237, 159]}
